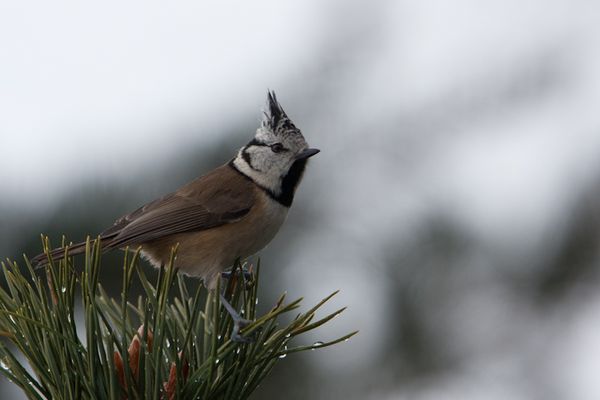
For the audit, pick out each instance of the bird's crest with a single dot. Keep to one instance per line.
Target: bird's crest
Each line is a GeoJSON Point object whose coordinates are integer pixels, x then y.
{"type": "Point", "coordinates": [275, 119]}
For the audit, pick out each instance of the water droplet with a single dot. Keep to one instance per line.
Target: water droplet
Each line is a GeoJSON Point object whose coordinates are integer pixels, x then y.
{"type": "Point", "coordinates": [284, 355]}
{"type": "Point", "coordinates": [256, 302]}
{"type": "Point", "coordinates": [237, 351]}
{"type": "Point", "coordinates": [219, 337]}
{"type": "Point", "coordinates": [242, 312]}
{"type": "Point", "coordinates": [345, 340]}
{"type": "Point", "coordinates": [64, 289]}
{"type": "Point", "coordinates": [4, 364]}
{"type": "Point", "coordinates": [317, 344]}
{"type": "Point", "coordinates": [288, 335]}
{"type": "Point", "coordinates": [217, 361]}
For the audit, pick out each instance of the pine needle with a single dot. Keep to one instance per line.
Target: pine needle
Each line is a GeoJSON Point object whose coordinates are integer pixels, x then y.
{"type": "Point", "coordinates": [171, 343]}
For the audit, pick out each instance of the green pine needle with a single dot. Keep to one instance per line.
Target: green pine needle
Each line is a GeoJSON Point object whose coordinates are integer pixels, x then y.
{"type": "Point", "coordinates": [170, 343]}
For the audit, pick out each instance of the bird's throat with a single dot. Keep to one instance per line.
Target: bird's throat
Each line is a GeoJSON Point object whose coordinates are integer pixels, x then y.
{"type": "Point", "coordinates": [288, 183]}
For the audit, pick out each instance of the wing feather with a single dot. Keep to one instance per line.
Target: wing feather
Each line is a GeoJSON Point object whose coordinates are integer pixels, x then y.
{"type": "Point", "coordinates": [219, 198]}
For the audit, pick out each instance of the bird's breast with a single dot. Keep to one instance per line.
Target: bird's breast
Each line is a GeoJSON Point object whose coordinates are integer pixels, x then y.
{"type": "Point", "coordinates": [253, 232]}
{"type": "Point", "coordinates": [207, 253]}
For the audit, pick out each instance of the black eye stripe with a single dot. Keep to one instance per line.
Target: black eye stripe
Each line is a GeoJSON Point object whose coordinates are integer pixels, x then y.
{"type": "Point", "coordinates": [255, 142]}
{"type": "Point", "coordinates": [276, 147]}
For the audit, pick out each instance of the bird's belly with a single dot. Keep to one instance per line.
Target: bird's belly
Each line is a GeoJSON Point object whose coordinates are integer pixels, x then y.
{"type": "Point", "coordinates": [205, 254]}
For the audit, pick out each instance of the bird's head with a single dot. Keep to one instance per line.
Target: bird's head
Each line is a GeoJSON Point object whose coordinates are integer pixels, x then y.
{"type": "Point", "coordinates": [276, 157]}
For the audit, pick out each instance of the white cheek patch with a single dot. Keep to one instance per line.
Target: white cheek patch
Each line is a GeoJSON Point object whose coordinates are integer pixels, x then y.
{"type": "Point", "coordinates": [269, 181]}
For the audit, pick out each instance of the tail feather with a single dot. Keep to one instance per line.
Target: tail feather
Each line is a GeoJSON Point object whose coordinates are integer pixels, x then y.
{"type": "Point", "coordinates": [42, 259]}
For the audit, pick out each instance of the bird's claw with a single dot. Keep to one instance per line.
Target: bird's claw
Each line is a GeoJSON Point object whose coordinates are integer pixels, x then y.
{"type": "Point", "coordinates": [247, 273]}
{"type": "Point", "coordinates": [235, 332]}
{"type": "Point", "coordinates": [228, 274]}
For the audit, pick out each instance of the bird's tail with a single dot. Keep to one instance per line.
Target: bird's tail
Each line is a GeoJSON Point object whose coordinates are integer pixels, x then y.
{"type": "Point", "coordinates": [58, 253]}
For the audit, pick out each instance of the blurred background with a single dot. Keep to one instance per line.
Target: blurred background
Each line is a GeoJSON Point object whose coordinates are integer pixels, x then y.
{"type": "Point", "coordinates": [455, 203]}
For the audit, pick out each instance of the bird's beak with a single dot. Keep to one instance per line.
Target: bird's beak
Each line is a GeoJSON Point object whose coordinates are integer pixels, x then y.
{"type": "Point", "coordinates": [307, 153]}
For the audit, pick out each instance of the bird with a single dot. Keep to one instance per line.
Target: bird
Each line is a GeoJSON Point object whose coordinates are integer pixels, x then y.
{"type": "Point", "coordinates": [229, 213]}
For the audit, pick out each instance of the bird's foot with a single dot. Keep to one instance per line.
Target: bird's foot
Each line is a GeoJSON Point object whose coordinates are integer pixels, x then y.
{"type": "Point", "coordinates": [247, 273]}
{"type": "Point", "coordinates": [238, 323]}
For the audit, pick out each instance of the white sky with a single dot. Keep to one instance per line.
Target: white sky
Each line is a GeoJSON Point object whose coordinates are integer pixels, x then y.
{"type": "Point", "coordinates": [86, 76]}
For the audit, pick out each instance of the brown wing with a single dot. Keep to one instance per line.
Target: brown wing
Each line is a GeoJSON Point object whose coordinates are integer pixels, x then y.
{"type": "Point", "coordinates": [220, 197]}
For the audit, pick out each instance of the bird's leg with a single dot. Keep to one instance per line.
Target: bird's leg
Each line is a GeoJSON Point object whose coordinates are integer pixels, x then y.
{"type": "Point", "coordinates": [238, 322]}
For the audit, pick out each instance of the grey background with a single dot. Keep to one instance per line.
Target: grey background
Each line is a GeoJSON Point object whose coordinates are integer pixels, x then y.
{"type": "Point", "coordinates": [455, 202]}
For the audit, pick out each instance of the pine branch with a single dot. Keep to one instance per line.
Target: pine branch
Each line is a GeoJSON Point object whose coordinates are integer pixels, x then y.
{"type": "Point", "coordinates": [170, 343]}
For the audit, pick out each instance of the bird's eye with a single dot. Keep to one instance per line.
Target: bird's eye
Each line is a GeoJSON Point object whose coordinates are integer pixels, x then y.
{"type": "Point", "coordinates": [277, 148]}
